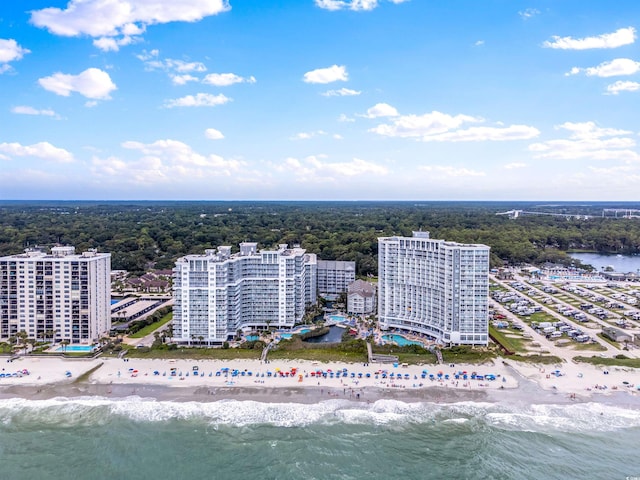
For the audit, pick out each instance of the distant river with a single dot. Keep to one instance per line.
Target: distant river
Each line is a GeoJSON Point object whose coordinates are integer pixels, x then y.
{"type": "Point", "coordinates": [620, 263]}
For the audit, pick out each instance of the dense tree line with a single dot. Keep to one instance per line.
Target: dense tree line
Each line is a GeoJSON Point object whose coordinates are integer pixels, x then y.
{"type": "Point", "coordinates": [153, 234]}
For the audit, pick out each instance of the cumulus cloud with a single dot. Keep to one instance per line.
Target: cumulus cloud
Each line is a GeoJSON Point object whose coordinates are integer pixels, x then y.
{"type": "Point", "coordinates": [26, 110]}
{"type": "Point", "coordinates": [355, 5]}
{"type": "Point", "coordinates": [226, 79]}
{"type": "Point", "coordinates": [43, 150]}
{"type": "Point", "coordinates": [343, 92]}
{"type": "Point", "coordinates": [588, 141]}
{"type": "Point", "coordinates": [614, 68]}
{"type": "Point", "coordinates": [620, 86]}
{"type": "Point", "coordinates": [449, 171]}
{"type": "Point", "coordinates": [121, 20]}
{"type": "Point", "coordinates": [622, 36]}
{"type": "Point", "coordinates": [315, 167]}
{"type": "Point", "coordinates": [198, 100]}
{"type": "Point", "coordinates": [481, 134]}
{"type": "Point", "coordinates": [381, 110]}
{"type": "Point", "coordinates": [163, 161]}
{"type": "Point", "coordinates": [442, 127]}
{"type": "Point", "coordinates": [183, 79]}
{"type": "Point", "coordinates": [92, 83]}
{"type": "Point", "coordinates": [10, 51]}
{"type": "Point", "coordinates": [344, 118]}
{"type": "Point", "coordinates": [330, 74]}
{"type": "Point", "coordinates": [308, 135]}
{"type": "Point", "coordinates": [213, 134]}
{"type": "Point", "coordinates": [421, 126]}
{"type": "Point", "coordinates": [528, 13]}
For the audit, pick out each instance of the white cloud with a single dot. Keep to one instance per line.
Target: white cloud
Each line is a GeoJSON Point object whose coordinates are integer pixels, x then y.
{"type": "Point", "coordinates": [327, 75]}
{"type": "Point", "coordinates": [355, 5]}
{"type": "Point", "coordinates": [481, 134]}
{"type": "Point", "coordinates": [421, 126]}
{"type": "Point", "coordinates": [344, 118]}
{"type": "Point", "coordinates": [308, 135]}
{"type": "Point", "coordinates": [315, 168]}
{"type": "Point", "coordinates": [479, 43]}
{"type": "Point", "coordinates": [515, 165]}
{"type": "Point", "coordinates": [213, 134]}
{"type": "Point", "coordinates": [381, 110]}
{"type": "Point", "coordinates": [111, 44]}
{"type": "Point", "coordinates": [614, 68]}
{"type": "Point", "coordinates": [441, 127]}
{"type": "Point", "coordinates": [121, 18]}
{"type": "Point", "coordinates": [442, 171]}
{"type": "Point", "coordinates": [588, 141]}
{"type": "Point", "coordinates": [343, 92]}
{"type": "Point", "coordinates": [622, 36]}
{"type": "Point", "coordinates": [183, 79]}
{"type": "Point", "coordinates": [226, 79]}
{"type": "Point", "coordinates": [26, 110]}
{"type": "Point", "coordinates": [621, 86]}
{"type": "Point", "coordinates": [199, 100]}
{"type": "Point", "coordinates": [10, 51]}
{"type": "Point", "coordinates": [92, 83]}
{"type": "Point", "coordinates": [529, 13]}
{"type": "Point", "coordinates": [164, 161]}
{"type": "Point", "coordinates": [42, 150]}
{"type": "Point", "coordinates": [152, 62]}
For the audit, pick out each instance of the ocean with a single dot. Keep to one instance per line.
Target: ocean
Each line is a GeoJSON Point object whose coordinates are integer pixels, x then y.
{"type": "Point", "coordinates": [135, 438]}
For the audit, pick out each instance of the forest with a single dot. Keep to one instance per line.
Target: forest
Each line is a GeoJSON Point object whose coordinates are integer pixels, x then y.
{"type": "Point", "coordinates": [145, 235]}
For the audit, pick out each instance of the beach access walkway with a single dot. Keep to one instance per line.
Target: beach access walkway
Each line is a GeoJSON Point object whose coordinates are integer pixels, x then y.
{"type": "Point", "coordinates": [378, 358]}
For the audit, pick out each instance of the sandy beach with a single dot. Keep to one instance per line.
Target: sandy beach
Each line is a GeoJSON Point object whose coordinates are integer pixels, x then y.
{"type": "Point", "coordinates": [298, 381]}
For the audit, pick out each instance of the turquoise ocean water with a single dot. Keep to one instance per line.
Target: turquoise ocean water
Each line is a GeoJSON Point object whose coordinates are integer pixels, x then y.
{"type": "Point", "coordinates": [134, 438]}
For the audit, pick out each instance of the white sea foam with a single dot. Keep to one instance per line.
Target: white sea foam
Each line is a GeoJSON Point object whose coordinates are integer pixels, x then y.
{"type": "Point", "coordinates": [68, 412]}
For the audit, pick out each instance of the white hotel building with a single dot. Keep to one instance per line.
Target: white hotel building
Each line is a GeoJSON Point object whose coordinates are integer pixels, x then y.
{"type": "Point", "coordinates": [434, 287]}
{"type": "Point", "coordinates": [61, 291]}
{"type": "Point", "coordinates": [218, 293]}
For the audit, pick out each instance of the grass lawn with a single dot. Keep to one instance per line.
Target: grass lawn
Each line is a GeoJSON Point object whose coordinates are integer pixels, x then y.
{"type": "Point", "coordinates": [543, 359]}
{"type": "Point", "coordinates": [506, 342]}
{"type": "Point", "coordinates": [596, 347]}
{"type": "Point", "coordinates": [153, 327]}
{"type": "Point", "coordinates": [318, 355]}
{"type": "Point", "coordinates": [608, 340]}
{"type": "Point", "coordinates": [620, 362]}
{"type": "Point", "coordinates": [197, 353]}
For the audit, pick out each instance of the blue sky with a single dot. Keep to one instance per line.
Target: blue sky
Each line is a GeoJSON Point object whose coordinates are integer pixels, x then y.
{"type": "Point", "coordinates": [319, 99]}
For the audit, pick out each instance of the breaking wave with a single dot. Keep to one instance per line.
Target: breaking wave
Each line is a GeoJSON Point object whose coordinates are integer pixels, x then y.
{"type": "Point", "coordinates": [95, 411]}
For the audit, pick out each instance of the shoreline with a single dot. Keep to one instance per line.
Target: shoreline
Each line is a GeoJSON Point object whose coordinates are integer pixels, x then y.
{"type": "Point", "coordinates": [516, 383]}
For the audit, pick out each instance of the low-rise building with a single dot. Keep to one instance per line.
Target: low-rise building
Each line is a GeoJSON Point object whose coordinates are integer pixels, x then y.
{"type": "Point", "coordinates": [616, 334]}
{"type": "Point", "coordinates": [361, 298]}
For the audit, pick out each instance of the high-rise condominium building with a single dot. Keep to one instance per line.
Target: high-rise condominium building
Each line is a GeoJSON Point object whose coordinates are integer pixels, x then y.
{"type": "Point", "coordinates": [334, 276]}
{"type": "Point", "coordinates": [59, 295]}
{"type": "Point", "coordinates": [218, 293]}
{"type": "Point", "coordinates": [434, 287]}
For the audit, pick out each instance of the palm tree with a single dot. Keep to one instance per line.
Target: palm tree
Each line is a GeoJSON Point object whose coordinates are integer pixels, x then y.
{"type": "Point", "coordinates": [64, 343]}
{"type": "Point", "coordinates": [22, 335]}
{"type": "Point", "coordinates": [201, 338]}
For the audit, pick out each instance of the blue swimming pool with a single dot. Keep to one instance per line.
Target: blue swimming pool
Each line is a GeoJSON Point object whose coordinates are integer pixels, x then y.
{"type": "Point", "coordinates": [337, 318]}
{"type": "Point", "coordinates": [287, 336]}
{"type": "Point", "coordinates": [76, 348]}
{"type": "Point", "coordinates": [252, 338]}
{"type": "Point", "coordinates": [400, 340]}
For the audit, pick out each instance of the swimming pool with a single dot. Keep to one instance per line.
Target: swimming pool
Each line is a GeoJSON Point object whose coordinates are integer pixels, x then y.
{"type": "Point", "coordinates": [252, 338]}
{"type": "Point", "coordinates": [400, 340]}
{"type": "Point", "coordinates": [287, 336]}
{"type": "Point", "coordinates": [337, 318]}
{"type": "Point", "coordinates": [76, 348]}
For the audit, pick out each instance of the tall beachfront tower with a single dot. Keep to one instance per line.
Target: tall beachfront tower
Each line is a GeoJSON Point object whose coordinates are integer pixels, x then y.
{"type": "Point", "coordinates": [61, 292]}
{"type": "Point", "coordinates": [434, 287]}
{"type": "Point", "coordinates": [218, 293]}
